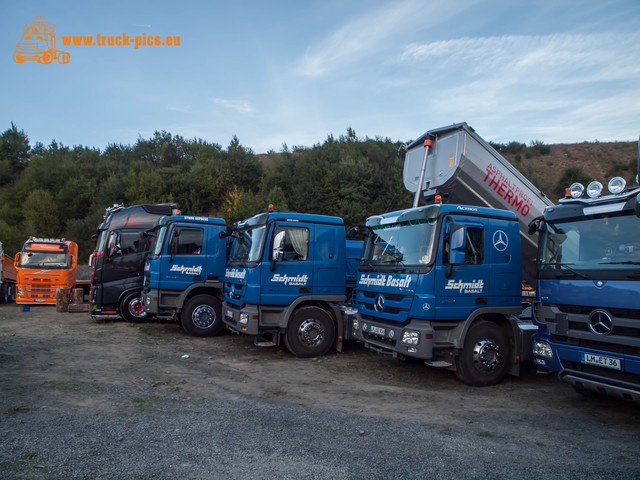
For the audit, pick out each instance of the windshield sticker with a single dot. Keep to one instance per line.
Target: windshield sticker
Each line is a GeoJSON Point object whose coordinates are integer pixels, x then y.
{"type": "Point", "coordinates": [235, 273]}
{"type": "Point", "coordinates": [287, 280]}
{"type": "Point", "coordinates": [384, 281]}
{"type": "Point", "coordinates": [186, 270]}
{"type": "Point", "coordinates": [474, 286]}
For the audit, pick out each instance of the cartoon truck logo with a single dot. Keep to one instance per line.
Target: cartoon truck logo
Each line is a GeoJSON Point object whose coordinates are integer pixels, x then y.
{"type": "Point", "coordinates": [39, 43]}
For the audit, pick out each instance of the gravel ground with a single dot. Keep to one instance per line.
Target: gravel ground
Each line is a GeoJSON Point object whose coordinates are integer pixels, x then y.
{"type": "Point", "coordinates": [82, 399]}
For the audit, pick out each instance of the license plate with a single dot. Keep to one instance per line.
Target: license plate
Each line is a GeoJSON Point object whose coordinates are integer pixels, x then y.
{"type": "Point", "coordinates": [601, 361]}
{"type": "Point", "coordinates": [376, 330]}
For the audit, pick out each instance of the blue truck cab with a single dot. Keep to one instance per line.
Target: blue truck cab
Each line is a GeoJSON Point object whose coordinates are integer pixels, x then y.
{"type": "Point", "coordinates": [588, 288]}
{"type": "Point", "coordinates": [184, 273]}
{"type": "Point", "coordinates": [291, 275]}
{"type": "Point", "coordinates": [442, 283]}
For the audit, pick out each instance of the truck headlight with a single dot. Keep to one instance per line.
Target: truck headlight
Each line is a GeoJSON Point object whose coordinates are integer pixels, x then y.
{"type": "Point", "coordinates": [244, 318]}
{"type": "Point", "coordinates": [542, 349]}
{"type": "Point", "coordinates": [410, 337]}
{"type": "Point", "coordinates": [356, 324]}
{"type": "Point", "coordinates": [19, 291]}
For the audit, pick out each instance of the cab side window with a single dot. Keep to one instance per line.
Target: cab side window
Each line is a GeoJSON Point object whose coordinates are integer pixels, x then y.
{"type": "Point", "coordinates": [474, 251]}
{"type": "Point", "coordinates": [290, 244]}
{"type": "Point", "coordinates": [474, 247]}
{"type": "Point", "coordinates": [187, 241]}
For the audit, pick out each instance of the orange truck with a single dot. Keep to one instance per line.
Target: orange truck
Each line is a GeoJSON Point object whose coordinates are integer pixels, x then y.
{"type": "Point", "coordinates": [38, 43]}
{"type": "Point", "coordinates": [43, 265]}
{"type": "Point", "coordinates": [8, 275]}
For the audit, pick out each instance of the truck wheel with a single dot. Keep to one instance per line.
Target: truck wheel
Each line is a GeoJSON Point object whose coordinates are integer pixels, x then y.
{"type": "Point", "coordinates": [485, 357]}
{"type": "Point", "coordinates": [131, 308]}
{"type": "Point", "coordinates": [311, 332]}
{"type": "Point", "coordinates": [4, 294]}
{"type": "Point", "coordinates": [202, 316]}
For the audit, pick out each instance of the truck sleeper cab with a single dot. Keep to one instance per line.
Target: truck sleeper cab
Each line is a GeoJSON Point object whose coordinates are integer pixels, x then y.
{"type": "Point", "coordinates": [118, 260]}
{"type": "Point", "coordinates": [184, 273]}
{"type": "Point", "coordinates": [588, 290]}
{"type": "Point", "coordinates": [443, 283]}
{"type": "Point", "coordinates": [291, 275]}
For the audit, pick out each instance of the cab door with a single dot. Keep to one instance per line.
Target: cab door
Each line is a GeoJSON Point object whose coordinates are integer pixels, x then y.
{"type": "Point", "coordinates": [184, 263]}
{"type": "Point", "coordinates": [287, 270]}
{"type": "Point", "coordinates": [462, 280]}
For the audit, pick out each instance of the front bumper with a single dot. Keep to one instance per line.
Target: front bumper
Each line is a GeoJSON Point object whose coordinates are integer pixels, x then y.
{"type": "Point", "coordinates": [412, 340]}
{"type": "Point", "coordinates": [150, 301]}
{"type": "Point", "coordinates": [245, 320]}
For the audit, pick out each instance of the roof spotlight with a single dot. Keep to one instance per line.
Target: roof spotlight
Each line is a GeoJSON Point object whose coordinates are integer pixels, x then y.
{"type": "Point", "coordinates": [594, 189]}
{"type": "Point", "coordinates": [616, 185]}
{"type": "Point", "coordinates": [576, 190]}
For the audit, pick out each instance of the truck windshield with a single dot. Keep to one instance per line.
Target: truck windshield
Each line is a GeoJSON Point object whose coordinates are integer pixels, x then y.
{"type": "Point", "coordinates": [158, 235]}
{"type": "Point", "coordinates": [247, 246]}
{"type": "Point", "coordinates": [593, 242]}
{"type": "Point", "coordinates": [43, 259]}
{"type": "Point", "coordinates": [403, 243]}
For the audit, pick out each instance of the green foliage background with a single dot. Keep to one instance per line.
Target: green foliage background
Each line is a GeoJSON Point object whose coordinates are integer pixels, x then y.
{"type": "Point", "coordinates": [58, 191]}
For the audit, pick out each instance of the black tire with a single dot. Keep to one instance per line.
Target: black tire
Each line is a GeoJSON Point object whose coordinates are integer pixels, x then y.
{"type": "Point", "coordinates": [311, 332]}
{"type": "Point", "coordinates": [485, 358]}
{"type": "Point", "coordinates": [131, 308]}
{"type": "Point", "coordinates": [4, 294]}
{"type": "Point", "coordinates": [202, 316]}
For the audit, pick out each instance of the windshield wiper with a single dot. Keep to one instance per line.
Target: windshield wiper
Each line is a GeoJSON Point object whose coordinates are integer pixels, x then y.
{"type": "Point", "coordinates": [370, 263]}
{"type": "Point", "coordinates": [626, 262]}
{"type": "Point", "coordinates": [572, 270]}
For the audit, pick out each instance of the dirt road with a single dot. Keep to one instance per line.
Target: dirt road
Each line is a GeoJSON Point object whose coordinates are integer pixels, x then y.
{"type": "Point", "coordinates": [82, 399]}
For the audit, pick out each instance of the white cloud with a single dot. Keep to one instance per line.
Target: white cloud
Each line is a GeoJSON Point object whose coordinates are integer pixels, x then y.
{"type": "Point", "coordinates": [241, 107]}
{"type": "Point", "coordinates": [559, 88]}
{"type": "Point", "coordinates": [356, 39]}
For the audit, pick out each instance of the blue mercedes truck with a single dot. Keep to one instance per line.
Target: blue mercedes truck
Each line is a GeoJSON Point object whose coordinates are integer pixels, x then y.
{"type": "Point", "coordinates": [290, 277]}
{"type": "Point", "coordinates": [588, 306]}
{"type": "Point", "coordinates": [184, 273]}
{"type": "Point", "coordinates": [443, 282]}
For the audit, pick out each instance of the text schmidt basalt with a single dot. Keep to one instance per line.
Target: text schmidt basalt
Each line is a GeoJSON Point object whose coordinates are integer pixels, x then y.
{"type": "Point", "coordinates": [236, 274]}
{"type": "Point", "coordinates": [474, 286]}
{"type": "Point", "coordinates": [294, 280]}
{"type": "Point", "coordinates": [186, 270]}
{"type": "Point", "coordinates": [382, 280]}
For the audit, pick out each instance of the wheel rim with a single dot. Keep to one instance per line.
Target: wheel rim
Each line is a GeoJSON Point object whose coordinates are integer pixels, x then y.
{"type": "Point", "coordinates": [203, 316]}
{"type": "Point", "coordinates": [486, 355]}
{"type": "Point", "coordinates": [311, 333]}
{"type": "Point", "coordinates": [136, 309]}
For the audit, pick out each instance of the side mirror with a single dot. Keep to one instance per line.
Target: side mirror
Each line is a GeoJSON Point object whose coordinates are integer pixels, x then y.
{"type": "Point", "coordinates": [16, 260]}
{"type": "Point", "coordinates": [536, 223]}
{"type": "Point", "coordinates": [458, 245]}
{"type": "Point", "coordinates": [355, 232]}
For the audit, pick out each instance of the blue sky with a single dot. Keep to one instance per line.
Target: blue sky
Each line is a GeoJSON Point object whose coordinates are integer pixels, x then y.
{"type": "Point", "coordinates": [275, 72]}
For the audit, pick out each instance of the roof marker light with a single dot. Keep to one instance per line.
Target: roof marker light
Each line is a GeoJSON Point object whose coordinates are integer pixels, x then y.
{"type": "Point", "coordinates": [594, 189]}
{"type": "Point", "coordinates": [616, 185]}
{"type": "Point", "coordinates": [576, 190]}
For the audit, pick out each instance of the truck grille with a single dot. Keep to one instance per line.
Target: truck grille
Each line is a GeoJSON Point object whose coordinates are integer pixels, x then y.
{"type": "Point", "coordinates": [396, 305]}
{"type": "Point", "coordinates": [41, 289]}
